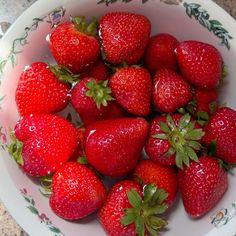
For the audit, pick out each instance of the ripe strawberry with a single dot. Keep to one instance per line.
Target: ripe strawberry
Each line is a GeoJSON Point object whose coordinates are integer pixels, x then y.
{"type": "Point", "coordinates": [173, 139]}
{"type": "Point", "coordinates": [76, 192]}
{"type": "Point", "coordinates": [126, 214]}
{"type": "Point", "coordinates": [131, 87]}
{"type": "Point", "coordinates": [200, 63]}
{"type": "Point", "coordinates": [124, 36]}
{"type": "Point", "coordinates": [43, 143]}
{"type": "Point", "coordinates": [106, 146]}
{"type": "Point", "coordinates": [221, 128]}
{"type": "Point", "coordinates": [160, 52]}
{"type": "Point", "coordinates": [163, 177]}
{"type": "Point", "coordinates": [170, 91]}
{"type": "Point", "coordinates": [74, 45]}
{"type": "Point", "coordinates": [92, 100]}
{"type": "Point", "coordinates": [98, 71]}
{"type": "Point", "coordinates": [39, 90]}
{"type": "Point", "coordinates": [202, 185]}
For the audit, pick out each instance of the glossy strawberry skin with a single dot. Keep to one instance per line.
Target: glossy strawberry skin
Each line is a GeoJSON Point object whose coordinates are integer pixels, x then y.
{"type": "Point", "coordinates": [110, 214]}
{"type": "Point", "coordinates": [124, 36]}
{"type": "Point", "coordinates": [76, 192]}
{"type": "Point", "coordinates": [39, 91]}
{"type": "Point", "coordinates": [86, 107]}
{"type": "Point", "coordinates": [200, 63]}
{"type": "Point", "coordinates": [98, 71]}
{"type": "Point", "coordinates": [106, 146]}
{"type": "Point", "coordinates": [156, 148]}
{"type": "Point", "coordinates": [131, 87]}
{"type": "Point", "coordinates": [48, 142]}
{"type": "Point", "coordinates": [164, 177]}
{"type": "Point", "coordinates": [160, 53]}
{"type": "Point", "coordinates": [222, 128]}
{"type": "Point", "coordinates": [202, 185]}
{"type": "Point", "coordinates": [170, 91]}
{"type": "Point", "coordinates": [72, 48]}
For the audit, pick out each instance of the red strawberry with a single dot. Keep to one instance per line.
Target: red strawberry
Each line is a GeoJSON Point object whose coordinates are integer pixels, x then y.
{"type": "Point", "coordinates": [221, 129]}
{"type": "Point", "coordinates": [43, 143]}
{"type": "Point", "coordinates": [74, 45]}
{"type": "Point", "coordinates": [173, 140]}
{"type": "Point", "coordinates": [98, 71]}
{"type": "Point", "coordinates": [202, 185]}
{"type": "Point", "coordinates": [76, 192]}
{"type": "Point", "coordinates": [200, 63]}
{"type": "Point", "coordinates": [160, 52]}
{"type": "Point", "coordinates": [163, 177]}
{"type": "Point", "coordinates": [126, 214]}
{"type": "Point", "coordinates": [131, 87]}
{"type": "Point", "coordinates": [40, 91]}
{"type": "Point", "coordinates": [124, 36]}
{"type": "Point", "coordinates": [170, 91]}
{"type": "Point", "coordinates": [92, 100]}
{"type": "Point", "coordinates": [113, 146]}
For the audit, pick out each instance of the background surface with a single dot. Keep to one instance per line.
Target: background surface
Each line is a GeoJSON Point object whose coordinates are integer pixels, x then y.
{"type": "Point", "coordinates": [9, 11]}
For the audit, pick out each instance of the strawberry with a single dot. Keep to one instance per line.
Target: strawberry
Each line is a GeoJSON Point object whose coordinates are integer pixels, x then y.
{"type": "Point", "coordinates": [98, 71]}
{"type": "Point", "coordinates": [124, 36]}
{"type": "Point", "coordinates": [127, 212]}
{"type": "Point", "coordinates": [164, 177]}
{"type": "Point", "coordinates": [221, 129]}
{"type": "Point", "coordinates": [200, 63]}
{"type": "Point", "coordinates": [74, 45]}
{"type": "Point", "coordinates": [202, 185]}
{"type": "Point", "coordinates": [173, 139]}
{"type": "Point", "coordinates": [76, 192]}
{"type": "Point", "coordinates": [92, 100]}
{"type": "Point", "coordinates": [42, 143]}
{"type": "Point", "coordinates": [131, 87]}
{"type": "Point", "coordinates": [106, 146]}
{"type": "Point", "coordinates": [160, 52]}
{"type": "Point", "coordinates": [170, 91]}
{"type": "Point", "coordinates": [39, 90]}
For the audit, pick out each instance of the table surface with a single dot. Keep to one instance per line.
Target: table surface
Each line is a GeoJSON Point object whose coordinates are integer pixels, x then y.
{"type": "Point", "coordinates": [9, 11]}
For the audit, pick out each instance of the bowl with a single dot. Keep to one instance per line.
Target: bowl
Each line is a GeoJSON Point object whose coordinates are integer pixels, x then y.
{"type": "Point", "coordinates": [26, 42]}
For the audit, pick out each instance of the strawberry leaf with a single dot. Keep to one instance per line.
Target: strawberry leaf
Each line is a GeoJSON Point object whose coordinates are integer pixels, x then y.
{"type": "Point", "coordinates": [164, 127]}
{"type": "Point", "coordinates": [134, 198]}
{"type": "Point", "coordinates": [139, 226]}
{"type": "Point", "coordinates": [160, 136]}
{"type": "Point", "coordinates": [211, 149]}
{"type": "Point", "coordinates": [184, 121]}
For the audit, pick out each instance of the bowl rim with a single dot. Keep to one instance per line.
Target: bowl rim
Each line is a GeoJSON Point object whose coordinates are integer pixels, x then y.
{"type": "Point", "coordinates": [20, 23]}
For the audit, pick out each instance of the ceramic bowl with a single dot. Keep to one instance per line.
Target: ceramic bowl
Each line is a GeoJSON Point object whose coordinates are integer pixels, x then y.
{"type": "Point", "coordinates": [26, 42]}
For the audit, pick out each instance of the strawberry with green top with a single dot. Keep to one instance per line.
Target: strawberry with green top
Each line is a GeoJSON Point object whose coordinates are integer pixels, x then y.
{"type": "Point", "coordinates": [202, 185]}
{"type": "Point", "coordinates": [164, 177]}
{"type": "Point", "coordinates": [124, 36]}
{"type": "Point", "coordinates": [113, 146]}
{"type": "Point", "coordinates": [130, 211]}
{"type": "Point", "coordinates": [42, 89]}
{"type": "Point", "coordinates": [92, 99]}
{"type": "Point", "coordinates": [43, 143]}
{"type": "Point", "coordinates": [200, 63]}
{"type": "Point", "coordinates": [131, 86]}
{"type": "Point", "coordinates": [74, 44]}
{"type": "Point", "coordinates": [174, 140]}
{"type": "Point", "coordinates": [221, 130]}
{"type": "Point", "coordinates": [76, 192]}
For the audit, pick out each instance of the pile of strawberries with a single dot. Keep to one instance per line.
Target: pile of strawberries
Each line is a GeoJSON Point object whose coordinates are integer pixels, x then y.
{"type": "Point", "coordinates": [132, 92]}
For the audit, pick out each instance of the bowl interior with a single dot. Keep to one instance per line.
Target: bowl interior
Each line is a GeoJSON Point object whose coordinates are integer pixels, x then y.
{"type": "Point", "coordinates": [26, 42]}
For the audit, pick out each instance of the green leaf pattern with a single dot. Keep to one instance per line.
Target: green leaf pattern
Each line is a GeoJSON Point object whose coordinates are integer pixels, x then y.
{"type": "Point", "coordinates": [42, 217]}
{"type": "Point", "coordinates": [201, 15]}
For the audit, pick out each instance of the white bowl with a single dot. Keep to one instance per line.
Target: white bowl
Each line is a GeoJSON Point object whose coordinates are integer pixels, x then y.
{"type": "Point", "coordinates": [25, 42]}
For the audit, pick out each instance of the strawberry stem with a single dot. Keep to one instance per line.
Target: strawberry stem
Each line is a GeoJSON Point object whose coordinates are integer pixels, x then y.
{"type": "Point", "coordinates": [83, 27]}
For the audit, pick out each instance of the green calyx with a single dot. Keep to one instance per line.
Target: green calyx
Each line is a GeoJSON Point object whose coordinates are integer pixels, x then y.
{"type": "Point", "coordinates": [63, 74]}
{"type": "Point", "coordinates": [15, 149]}
{"type": "Point", "coordinates": [144, 213]}
{"type": "Point", "coordinates": [183, 138]}
{"type": "Point", "coordinates": [83, 27]}
{"type": "Point", "coordinates": [46, 185]}
{"type": "Point", "coordinates": [99, 91]}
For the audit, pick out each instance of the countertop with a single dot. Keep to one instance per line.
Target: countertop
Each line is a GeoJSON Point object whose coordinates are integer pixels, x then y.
{"type": "Point", "coordinates": [9, 11]}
